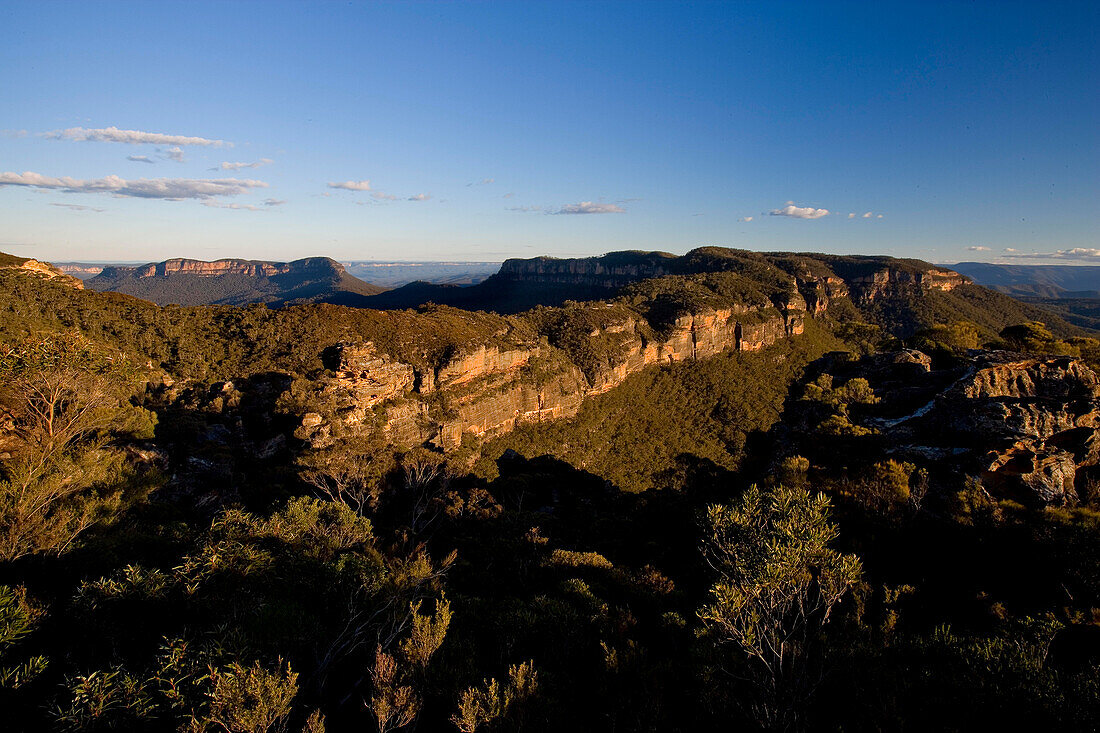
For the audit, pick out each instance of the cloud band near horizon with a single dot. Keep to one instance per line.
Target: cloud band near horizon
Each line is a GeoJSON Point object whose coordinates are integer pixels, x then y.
{"type": "Point", "coordinates": [170, 189]}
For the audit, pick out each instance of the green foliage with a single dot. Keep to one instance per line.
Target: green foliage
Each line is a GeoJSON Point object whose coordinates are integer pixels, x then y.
{"type": "Point", "coordinates": [252, 699]}
{"type": "Point", "coordinates": [493, 701]}
{"type": "Point", "coordinates": [777, 582]}
{"type": "Point", "coordinates": [678, 423]}
{"type": "Point", "coordinates": [957, 336]}
{"type": "Point", "coordinates": [17, 620]}
{"type": "Point", "coordinates": [882, 487]}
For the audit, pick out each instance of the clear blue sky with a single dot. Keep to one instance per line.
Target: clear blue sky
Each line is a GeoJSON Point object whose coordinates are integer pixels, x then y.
{"type": "Point", "coordinates": [491, 130]}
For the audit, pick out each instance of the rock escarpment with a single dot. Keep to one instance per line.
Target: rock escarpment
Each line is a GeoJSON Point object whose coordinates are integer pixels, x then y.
{"type": "Point", "coordinates": [484, 390]}
{"type": "Point", "coordinates": [235, 282]}
{"type": "Point", "coordinates": [670, 309]}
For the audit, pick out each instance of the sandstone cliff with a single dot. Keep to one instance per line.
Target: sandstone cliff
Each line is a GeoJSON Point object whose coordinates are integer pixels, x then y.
{"type": "Point", "coordinates": [483, 390]}
{"type": "Point", "coordinates": [235, 282]}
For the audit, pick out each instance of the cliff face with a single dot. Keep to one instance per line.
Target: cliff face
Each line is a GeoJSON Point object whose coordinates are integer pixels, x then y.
{"type": "Point", "coordinates": [235, 282]}
{"type": "Point", "coordinates": [487, 390]}
{"type": "Point", "coordinates": [891, 281]}
{"type": "Point", "coordinates": [246, 268]}
{"type": "Point", "coordinates": [704, 303]}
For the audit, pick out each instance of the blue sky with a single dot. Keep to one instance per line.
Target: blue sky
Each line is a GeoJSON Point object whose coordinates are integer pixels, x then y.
{"type": "Point", "coordinates": [480, 131]}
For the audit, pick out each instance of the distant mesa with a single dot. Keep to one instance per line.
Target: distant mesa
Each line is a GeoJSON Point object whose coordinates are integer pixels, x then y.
{"type": "Point", "coordinates": [236, 282]}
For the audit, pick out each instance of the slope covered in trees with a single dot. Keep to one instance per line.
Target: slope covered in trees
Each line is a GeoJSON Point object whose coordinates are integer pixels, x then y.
{"type": "Point", "coordinates": [198, 566]}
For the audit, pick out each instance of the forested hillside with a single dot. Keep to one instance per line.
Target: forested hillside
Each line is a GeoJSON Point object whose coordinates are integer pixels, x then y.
{"type": "Point", "coordinates": [762, 492]}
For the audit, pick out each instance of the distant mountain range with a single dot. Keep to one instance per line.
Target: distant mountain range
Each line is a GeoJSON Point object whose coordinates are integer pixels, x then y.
{"type": "Point", "coordinates": [236, 282]}
{"type": "Point", "coordinates": [396, 274]}
{"type": "Point", "coordinates": [1037, 281]}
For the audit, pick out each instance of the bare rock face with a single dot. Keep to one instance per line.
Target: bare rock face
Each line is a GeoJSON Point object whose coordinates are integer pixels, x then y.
{"type": "Point", "coordinates": [368, 376]}
{"type": "Point", "coordinates": [1032, 472]}
{"type": "Point", "coordinates": [889, 281]}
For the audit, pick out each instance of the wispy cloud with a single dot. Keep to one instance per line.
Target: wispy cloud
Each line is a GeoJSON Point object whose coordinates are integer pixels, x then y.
{"type": "Point", "coordinates": [588, 207]}
{"type": "Point", "coordinates": [274, 202]}
{"type": "Point", "coordinates": [239, 207]}
{"type": "Point", "coordinates": [13, 133]}
{"type": "Point", "coordinates": [78, 207]}
{"type": "Point", "coordinates": [799, 212]}
{"type": "Point", "coordinates": [131, 137]}
{"type": "Point", "coordinates": [525, 209]}
{"type": "Point", "coordinates": [420, 197]}
{"type": "Point", "coordinates": [175, 153]}
{"type": "Point", "coordinates": [1078, 254]}
{"type": "Point", "coordinates": [482, 182]}
{"type": "Point", "coordinates": [172, 189]}
{"type": "Point", "coordinates": [227, 166]}
{"type": "Point", "coordinates": [383, 196]}
{"type": "Point", "coordinates": [351, 185]}
{"type": "Point", "coordinates": [978, 248]}
{"type": "Point", "coordinates": [140, 159]}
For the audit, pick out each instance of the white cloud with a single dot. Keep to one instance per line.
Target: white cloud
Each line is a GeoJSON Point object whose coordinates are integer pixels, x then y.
{"type": "Point", "coordinates": [140, 159]}
{"type": "Point", "coordinates": [878, 216]}
{"type": "Point", "coordinates": [588, 207]}
{"type": "Point", "coordinates": [1011, 249]}
{"type": "Point", "coordinates": [420, 197]}
{"type": "Point", "coordinates": [172, 189]}
{"type": "Point", "coordinates": [978, 248]}
{"type": "Point", "coordinates": [175, 154]}
{"type": "Point", "coordinates": [1081, 254]}
{"type": "Point", "coordinates": [868, 215]}
{"type": "Point", "coordinates": [239, 207]}
{"type": "Point", "coordinates": [525, 209]}
{"type": "Point", "coordinates": [227, 166]}
{"type": "Point", "coordinates": [352, 185]}
{"type": "Point", "coordinates": [131, 137]}
{"type": "Point", "coordinates": [799, 212]}
{"type": "Point", "coordinates": [383, 196]}
{"type": "Point", "coordinates": [743, 218]}
{"type": "Point", "coordinates": [78, 207]}
{"type": "Point", "coordinates": [851, 216]}
{"type": "Point", "coordinates": [274, 202]}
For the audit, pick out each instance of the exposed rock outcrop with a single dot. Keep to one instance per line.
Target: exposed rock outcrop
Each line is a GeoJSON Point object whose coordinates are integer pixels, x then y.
{"type": "Point", "coordinates": [1026, 424]}
{"type": "Point", "coordinates": [45, 271]}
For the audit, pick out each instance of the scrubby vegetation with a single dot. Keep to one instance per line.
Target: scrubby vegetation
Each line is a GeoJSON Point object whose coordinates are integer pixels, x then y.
{"type": "Point", "coordinates": [712, 545]}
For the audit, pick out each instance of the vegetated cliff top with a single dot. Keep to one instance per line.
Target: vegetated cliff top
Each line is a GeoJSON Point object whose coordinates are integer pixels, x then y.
{"type": "Point", "coordinates": [522, 284]}
{"type": "Point", "coordinates": [226, 342]}
{"type": "Point", "coordinates": [236, 282]}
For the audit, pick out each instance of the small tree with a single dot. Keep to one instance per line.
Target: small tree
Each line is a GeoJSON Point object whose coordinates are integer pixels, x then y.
{"type": "Point", "coordinates": [777, 582]}
{"type": "Point", "coordinates": [61, 391]}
